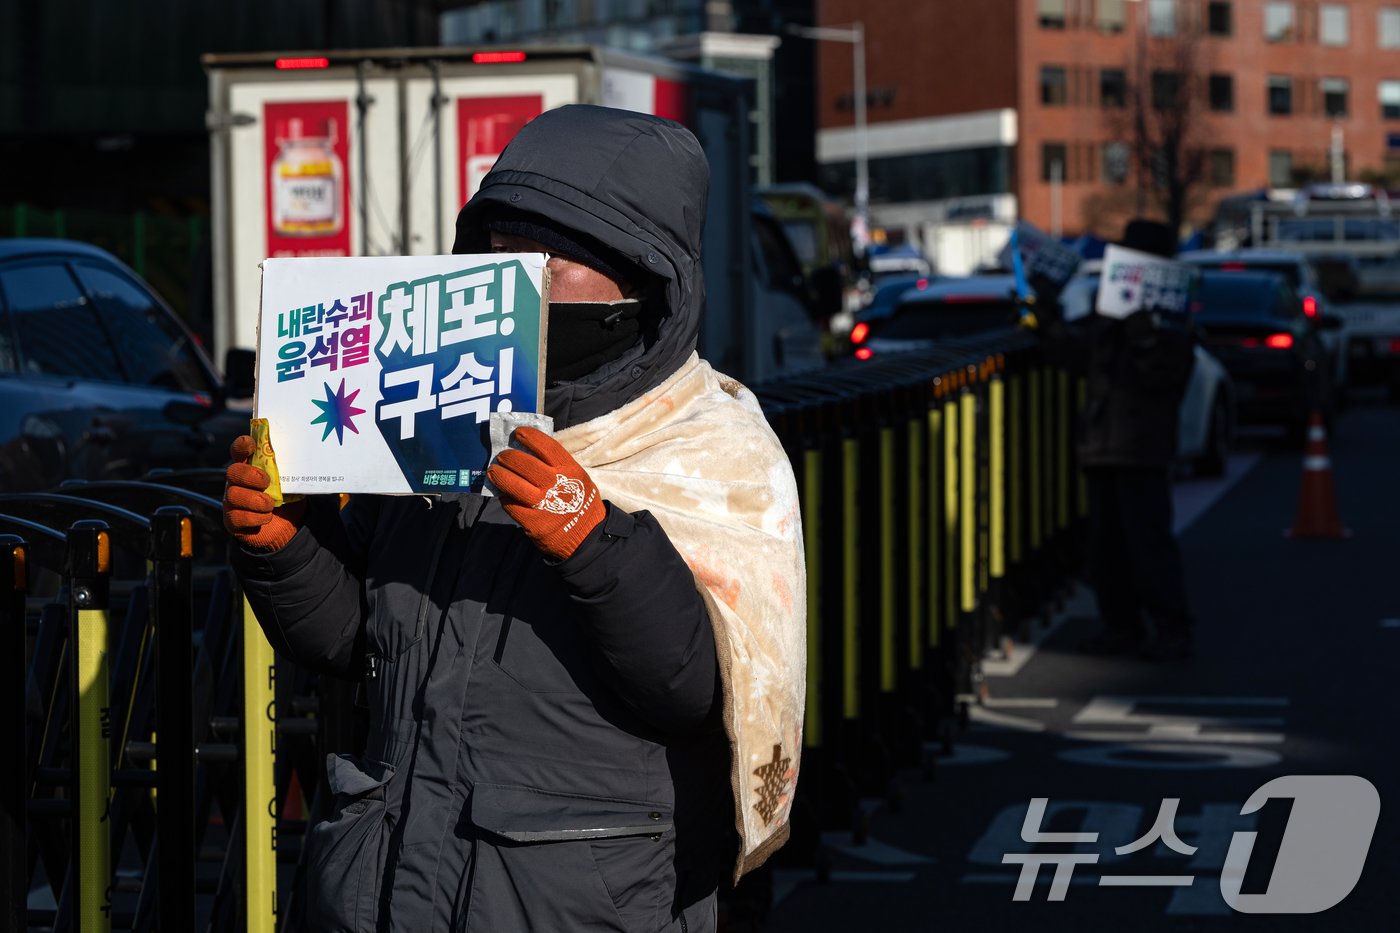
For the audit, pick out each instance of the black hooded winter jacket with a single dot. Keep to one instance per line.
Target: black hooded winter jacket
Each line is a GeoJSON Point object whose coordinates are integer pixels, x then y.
{"type": "Point", "coordinates": [544, 751]}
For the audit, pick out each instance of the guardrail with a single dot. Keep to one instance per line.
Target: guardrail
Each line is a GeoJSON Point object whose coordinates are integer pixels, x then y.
{"type": "Point", "coordinates": [171, 764]}
{"type": "Point", "coordinates": [942, 512]}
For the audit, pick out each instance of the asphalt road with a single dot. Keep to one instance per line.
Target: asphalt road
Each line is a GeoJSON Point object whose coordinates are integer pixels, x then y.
{"type": "Point", "coordinates": [1297, 673]}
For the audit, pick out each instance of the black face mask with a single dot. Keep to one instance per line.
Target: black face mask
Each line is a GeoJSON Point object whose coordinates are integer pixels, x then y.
{"type": "Point", "coordinates": [584, 335]}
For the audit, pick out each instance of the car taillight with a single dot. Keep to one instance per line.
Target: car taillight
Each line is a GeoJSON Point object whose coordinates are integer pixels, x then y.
{"type": "Point", "coordinates": [1232, 267]}
{"type": "Point", "coordinates": [860, 332]}
{"type": "Point", "coordinates": [1395, 344]}
{"type": "Point", "coordinates": [1279, 341]}
{"type": "Point", "coordinates": [1310, 306]}
{"type": "Point", "coordinates": [864, 353]}
{"type": "Point", "coordinates": [921, 284]}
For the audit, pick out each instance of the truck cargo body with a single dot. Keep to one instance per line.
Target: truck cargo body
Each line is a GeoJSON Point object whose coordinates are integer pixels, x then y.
{"type": "Point", "coordinates": [374, 152]}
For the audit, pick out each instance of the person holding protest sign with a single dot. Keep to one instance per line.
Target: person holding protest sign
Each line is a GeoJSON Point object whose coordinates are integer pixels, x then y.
{"type": "Point", "coordinates": [1139, 366]}
{"type": "Point", "coordinates": [585, 691]}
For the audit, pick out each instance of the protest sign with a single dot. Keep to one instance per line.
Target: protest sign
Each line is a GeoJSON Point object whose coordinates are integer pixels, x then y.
{"type": "Point", "coordinates": [380, 374]}
{"type": "Point", "coordinates": [1041, 255]}
{"type": "Point", "coordinates": [1133, 281]}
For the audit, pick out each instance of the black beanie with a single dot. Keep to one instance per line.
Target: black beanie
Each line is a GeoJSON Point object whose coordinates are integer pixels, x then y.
{"type": "Point", "coordinates": [560, 241]}
{"type": "Point", "coordinates": [1150, 236]}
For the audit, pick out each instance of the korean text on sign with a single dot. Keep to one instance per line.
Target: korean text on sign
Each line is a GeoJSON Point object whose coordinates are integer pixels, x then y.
{"type": "Point", "coordinates": [437, 333]}
{"type": "Point", "coordinates": [331, 334]}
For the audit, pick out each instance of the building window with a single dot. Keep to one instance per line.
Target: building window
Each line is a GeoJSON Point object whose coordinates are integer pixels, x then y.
{"type": "Point", "coordinates": [1279, 22]}
{"type": "Point", "coordinates": [1334, 96]}
{"type": "Point", "coordinates": [1390, 27]}
{"type": "Point", "coordinates": [1053, 91]}
{"type": "Point", "coordinates": [1390, 100]}
{"type": "Point", "coordinates": [1115, 163]}
{"type": "Point", "coordinates": [1218, 20]}
{"type": "Point", "coordinates": [1333, 25]}
{"type": "Point", "coordinates": [1113, 87]}
{"type": "Point", "coordinates": [1280, 168]}
{"type": "Point", "coordinates": [1280, 95]}
{"type": "Point", "coordinates": [1111, 15]}
{"type": "Point", "coordinates": [1052, 13]}
{"type": "Point", "coordinates": [1222, 93]}
{"type": "Point", "coordinates": [1221, 168]}
{"type": "Point", "coordinates": [1053, 159]}
{"type": "Point", "coordinates": [1161, 17]}
{"type": "Point", "coordinates": [1166, 86]}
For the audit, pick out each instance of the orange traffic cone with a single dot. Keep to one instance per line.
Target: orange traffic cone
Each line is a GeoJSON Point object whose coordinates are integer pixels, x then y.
{"type": "Point", "coordinates": [1317, 500]}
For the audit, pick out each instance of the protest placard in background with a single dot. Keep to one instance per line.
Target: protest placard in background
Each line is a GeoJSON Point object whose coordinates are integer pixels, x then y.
{"type": "Point", "coordinates": [1134, 281]}
{"type": "Point", "coordinates": [1041, 255]}
{"type": "Point", "coordinates": [380, 374]}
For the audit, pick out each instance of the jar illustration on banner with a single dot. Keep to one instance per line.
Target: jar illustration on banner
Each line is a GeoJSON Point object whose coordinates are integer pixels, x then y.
{"type": "Point", "coordinates": [307, 176]}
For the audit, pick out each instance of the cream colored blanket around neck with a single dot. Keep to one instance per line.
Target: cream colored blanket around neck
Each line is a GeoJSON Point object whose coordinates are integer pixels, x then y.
{"type": "Point", "coordinates": [697, 453]}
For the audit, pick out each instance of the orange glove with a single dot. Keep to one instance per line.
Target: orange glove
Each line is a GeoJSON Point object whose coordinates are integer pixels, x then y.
{"type": "Point", "coordinates": [248, 512]}
{"type": "Point", "coordinates": [547, 493]}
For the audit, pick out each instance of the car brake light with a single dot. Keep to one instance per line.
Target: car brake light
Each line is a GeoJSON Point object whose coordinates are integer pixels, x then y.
{"type": "Point", "coordinates": [496, 58]}
{"type": "Point", "coordinates": [288, 63]}
{"type": "Point", "coordinates": [921, 284]}
{"type": "Point", "coordinates": [860, 332]}
{"type": "Point", "coordinates": [1279, 341]}
{"type": "Point", "coordinates": [1232, 267]}
{"type": "Point", "coordinates": [1310, 306]}
{"type": "Point", "coordinates": [864, 353]}
{"type": "Point", "coordinates": [1395, 344]}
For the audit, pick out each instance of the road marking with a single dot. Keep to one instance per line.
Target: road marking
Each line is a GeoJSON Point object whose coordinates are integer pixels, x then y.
{"type": "Point", "coordinates": [873, 851]}
{"type": "Point", "coordinates": [965, 754]}
{"type": "Point", "coordinates": [1023, 702]}
{"type": "Point", "coordinates": [1192, 498]}
{"type": "Point", "coordinates": [1170, 756]}
{"type": "Point", "coordinates": [786, 881]}
{"type": "Point", "coordinates": [986, 717]}
{"type": "Point", "coordinates": [1175, 727]}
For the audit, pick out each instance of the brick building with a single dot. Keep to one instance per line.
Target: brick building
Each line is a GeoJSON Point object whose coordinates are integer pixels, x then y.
{"type": "Point", "coordinates": [980, 111]}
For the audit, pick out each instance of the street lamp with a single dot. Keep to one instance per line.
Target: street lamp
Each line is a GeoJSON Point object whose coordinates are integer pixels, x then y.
{"type": "Point", "coordinates": [855, 35]}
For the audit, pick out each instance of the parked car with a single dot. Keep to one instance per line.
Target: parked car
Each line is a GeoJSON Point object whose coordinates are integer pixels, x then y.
{"type": "Point", "coordinates": [1300, 274]}
{"type": "Point", "coordinates": [1207, 417]}
{"type": "Point", "coordinates": [888, 291]}
{"type": "Point", "coordinates": [791, 319]}
{"type": "Point", "coordinates": [1255, 323]}
{"type": "Point", "coordinates": [947, 308]}
{"type": "Point", "coordinates": [98, 378]}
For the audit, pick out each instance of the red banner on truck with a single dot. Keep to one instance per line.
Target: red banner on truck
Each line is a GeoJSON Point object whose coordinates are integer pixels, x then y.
{"type": "Point", "coordinates": [484, 126]}
{"type": "Point", "coordinates": [308, 186]}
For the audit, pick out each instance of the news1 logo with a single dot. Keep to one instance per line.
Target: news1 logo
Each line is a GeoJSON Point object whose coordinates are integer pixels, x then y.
{"type": "Point", "coordinates": [1319, 861]}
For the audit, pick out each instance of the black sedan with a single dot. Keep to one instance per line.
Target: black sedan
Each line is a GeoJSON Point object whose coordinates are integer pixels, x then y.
{"type": "Point", "coordinates": [1255, 324]}
{"type": "Point", "coordinates": [98, 378]}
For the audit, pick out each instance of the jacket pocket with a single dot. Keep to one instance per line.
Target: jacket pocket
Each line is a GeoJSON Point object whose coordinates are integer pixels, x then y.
{"type": "Point", "coordinates": [346, 854]}
{"type": "Point", "coordinates": [547, 860]}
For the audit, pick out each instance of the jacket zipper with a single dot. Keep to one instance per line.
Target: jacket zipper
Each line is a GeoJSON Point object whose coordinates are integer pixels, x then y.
{"type": "Point", "coordinates": [372, 659]}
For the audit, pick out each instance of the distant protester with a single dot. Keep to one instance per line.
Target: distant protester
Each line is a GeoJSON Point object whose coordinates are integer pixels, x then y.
{"type": "Point", "coordinates": [1138, 371]}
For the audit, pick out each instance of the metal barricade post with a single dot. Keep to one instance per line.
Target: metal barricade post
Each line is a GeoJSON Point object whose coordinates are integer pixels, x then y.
{"type": "Point", "coordinates": [259, 781]}
{"type": "Point", "coordinates": [89, 567]}
{"type": "Point", "coordinates": [14, 587]}
{"type": "Point", "coordinates": [172, 549]}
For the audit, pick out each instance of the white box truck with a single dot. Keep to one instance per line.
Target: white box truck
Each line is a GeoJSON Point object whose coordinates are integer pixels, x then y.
{"type": "Point", "coordinates": [369, 153]}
